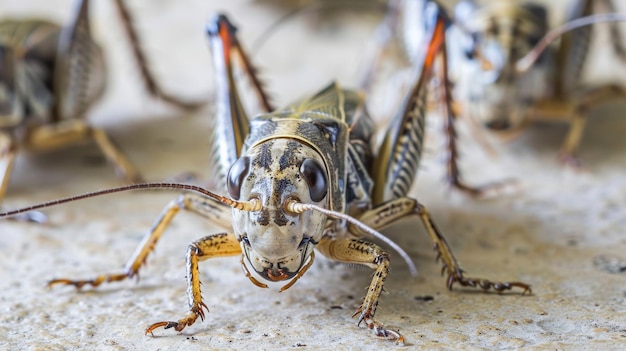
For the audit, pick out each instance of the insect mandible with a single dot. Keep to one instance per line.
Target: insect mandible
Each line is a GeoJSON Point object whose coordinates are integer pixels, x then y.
{"type": "Point", "coordinates": [300, 179]}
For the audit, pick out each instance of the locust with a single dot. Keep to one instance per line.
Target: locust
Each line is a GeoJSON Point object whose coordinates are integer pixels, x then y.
{"type": "Point", "coordinates": [50, 77]}
{"type": "Point", "coordinates": [404, 21]}
{"type": "Point", "coordinates": [302, 179]}
{"type": "Point", "coordinates": [504, 97]}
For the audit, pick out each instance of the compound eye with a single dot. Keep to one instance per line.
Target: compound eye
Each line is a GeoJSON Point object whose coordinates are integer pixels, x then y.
{"type": "Point", "coordinates": [315, 176]}
{"type": "Point", "coordinates": [236, 174]}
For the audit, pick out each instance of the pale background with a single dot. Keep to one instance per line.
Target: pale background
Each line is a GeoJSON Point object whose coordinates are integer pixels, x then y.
{"type": "Point", "coordinates": [554, 233]}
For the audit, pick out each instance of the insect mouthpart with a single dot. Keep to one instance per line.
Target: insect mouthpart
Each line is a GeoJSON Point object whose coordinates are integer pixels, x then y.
{"type": "Point", "coordinates": [284, 268]}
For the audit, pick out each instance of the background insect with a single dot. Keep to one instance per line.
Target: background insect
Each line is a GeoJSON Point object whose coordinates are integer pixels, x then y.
{"type": "Point", "coordinates": [549, 234]}
{"type": "Point", "coordinates": [300, 171]}
{"type": "Point", "coordinates": [373, 63]}
{"type": "Point", "coordinates": [50, 77]}
{"type": "Point", "coordinates": [498, 95]}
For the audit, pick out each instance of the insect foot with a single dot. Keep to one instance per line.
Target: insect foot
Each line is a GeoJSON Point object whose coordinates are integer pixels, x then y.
{"type": "Point", "coordinates": [571, 161]}
{"type": "Point", "coordinates": [457, 277]}
{"type": "Point", "coordinates": [366, 314]}
{"type": "Point", "coordinates": [196, 311]}
{"type": "Point", "coordinates": [455, 274]}
{"type": "Point", "coordinates": [78, 284]}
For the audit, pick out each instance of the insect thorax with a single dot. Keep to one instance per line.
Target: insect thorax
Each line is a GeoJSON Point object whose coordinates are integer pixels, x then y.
{"type": "Point", "coordinates": [336, 125]}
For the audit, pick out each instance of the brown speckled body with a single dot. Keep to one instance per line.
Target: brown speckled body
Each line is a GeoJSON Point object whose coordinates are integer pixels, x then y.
{"type": "Point", "coordinates": [300, 179]}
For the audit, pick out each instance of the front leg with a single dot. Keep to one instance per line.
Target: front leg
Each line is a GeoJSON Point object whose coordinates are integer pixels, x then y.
{"type": "Point", "coordinates": [8, 150]}
{"type": "Point", "coordinates": [371, 255]}
{"type": "Point", "coordinates": [216, 245]}
{"type": "Point", "coordinates": [203, 206]}
{"type": "Point", "coordinates": [393, 211]}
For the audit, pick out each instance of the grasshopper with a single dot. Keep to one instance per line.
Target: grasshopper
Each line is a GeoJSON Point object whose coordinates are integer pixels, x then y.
{"type": "Point", "coordinates": [490, 48]}
{"type": "Point", "coordinates": [50, 76]}
{"type": "Point", "coordinates": [302, 178]}
{"type": "Point", "coordinates": [504, 98]}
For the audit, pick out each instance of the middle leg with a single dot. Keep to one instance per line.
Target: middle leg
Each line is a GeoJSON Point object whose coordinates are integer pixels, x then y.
{"type": "Point", "coordinates": [395, 210]}
{"type": "Point", "coordinates": [371, 255]}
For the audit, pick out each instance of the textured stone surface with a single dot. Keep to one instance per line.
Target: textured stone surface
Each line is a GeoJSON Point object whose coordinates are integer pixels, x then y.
{"type": "Point", "coordinates": [563, 232]}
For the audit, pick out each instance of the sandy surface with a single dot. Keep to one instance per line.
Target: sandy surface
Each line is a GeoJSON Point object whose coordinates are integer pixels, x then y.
{"type": "Point", "coordinates": [563, 232]}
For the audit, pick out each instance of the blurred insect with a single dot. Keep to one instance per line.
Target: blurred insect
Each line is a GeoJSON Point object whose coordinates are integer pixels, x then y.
{"type": "Point", "coordinates": [404, 20]}
{"type": "Point", "coordinates": [301, 178]}
{"type": "Point", "coordinates": [491, 85]}
{"type": "Point", "coordinates": [50, 76]}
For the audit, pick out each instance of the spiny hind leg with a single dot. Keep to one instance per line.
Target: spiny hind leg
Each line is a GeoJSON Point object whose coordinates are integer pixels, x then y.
{"type": "Point", "coordinates": [203, 206]}
{"type": "Point", "coordinates": [216, 245]}
{"type": "Point", "coordinates": [146, 74]}
{"type": "Point", "coordinates": [396, 165]}
{"type": "Point", "coordinates": [453, 170]}
{"type": "Point", "coordinates": [371, 255]}
{"type": "Point", "coordinates": [395, 210]}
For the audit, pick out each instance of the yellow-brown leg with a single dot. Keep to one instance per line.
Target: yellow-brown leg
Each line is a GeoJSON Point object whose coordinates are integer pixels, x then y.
{"type": "Point", "coordinates": [396, 210]}
{"type": "Point", "coordinates": [592, 98]}
{"type": "Point", "coordinates": [572, 140]}
{"type": "Point", "coordinates": [123, 167]}
{"type": "Point", "coordinates": [216, 245]}
{"type": "Point", "coordinates": [371, 255]}
{"type": "Point", "coordinates": [49, 137]}
{"type": "Point", "coordinates": [200, 205]}
{"type": "Point", "coordinates": [7, 158]}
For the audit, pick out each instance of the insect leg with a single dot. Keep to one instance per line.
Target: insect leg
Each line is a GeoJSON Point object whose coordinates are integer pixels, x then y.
{"type": "Point", "coordinates": [453, 171]}
{"type": "Point", "coordinates": [371, 255]}
{"type": "Point", "coordinates": [148, 77]}
{"type": "Point", "coordinates": [572, 52]}
{"type": "Point", "coordinates": [203, 206]}
{"type": "Point", "coordinates": [7, 158]}
{"type": "Point", "coordinates": [216, 245]}
{"type": "Point", "coordinates": [574, 135]}
{"type": "Point", "coordinates": [231, 120]}
{"type": "Point", "coordinates": [46, 137]}
{"type": "Point", "coordinates": [393, 211]}
{"type": "Point", "coordinates": [79, 75]}
{"type": "Point", "coordinates": [115, 156]}
{"type": "Point", "coordinates": [397, 162]}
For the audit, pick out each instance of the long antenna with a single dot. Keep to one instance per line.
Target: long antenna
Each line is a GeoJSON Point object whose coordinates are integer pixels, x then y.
{"type": "Point", "coordinates": [241, 205]}
{"type": "Point", "coordinates": [298, 207]}
{"type": "Point", "coordinates": [527, 61]}
{"type": "Point", "coordinates": [252, 205]}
